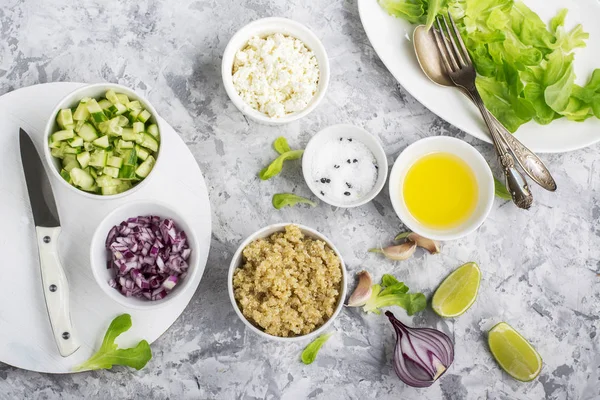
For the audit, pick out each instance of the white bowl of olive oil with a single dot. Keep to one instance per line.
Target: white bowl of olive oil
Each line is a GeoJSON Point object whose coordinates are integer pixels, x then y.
{"type": "Point", "coordinates": [441, 188]}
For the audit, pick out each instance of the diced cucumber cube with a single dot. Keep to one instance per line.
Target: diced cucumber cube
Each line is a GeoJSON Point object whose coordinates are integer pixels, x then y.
{"type": "Point", "coordinates": [96, 111]}
{"type": "Point", "coordinates": [62, 135]}
{"type": "Point", "coordinates": [141, 152]}
{"type": "Point", "coordinates": [106, 180]}
{"type": "Point", "coordinates": [134, 105]}
{"type": "Point", "coordinates": [123, 144]}
{"type": "Point", "coordinates": [71, 165]}
{"type": "Point", "coordinates": [128, 134]}
{"type": "Point", "coordinates": [111, 171]}
{"type": "Point", "coordinates": [133, 115]}
{"type": "Point", "coordinates": [88, 132]}
{"type": "Point", "coordinates": [81, 113]}
{"type": "Point", "coordinates": [138, 127]}
{"type": "Point", "coordinates": [121, 120]}
{"type": "Point", "coordinates": [123, 99]}
{"type": "Point", "coordinates": [66, 175]}
{"type": "Point", "coordinates": [144, 116]}
{"type": "Point", "coordinates": [108, 190]}
{"type": "Point", "coordinates": [124, 186]}
{"type": "Point", "coordinates": [57, 152]}
{"type": "Point", "coordinates": [98, 159]}
{"type": "Point", "coordinates": [81, 178]}
{"type": "Point", "coordinates": [83, 159]}
{"type": "Point", "coordinates": [127, 172]}
{"type": "Point", "coordinates": [117, 109]}
{"type": "Point", "coordinates": [77, 141]}
{"type": "Point", "coordinates": [65, 119]}
{"type": "Point", "coordinates": [112, 96]}
{"type": "Point", "coordinates": [56, 145]}
{"type": "Point", "coordinates": [102, 142]}
{"type": "Point", "coordinates": [153, 130]}
{"type": "Point", "coordinates": [149, 142]}
{"type": "Point", "coordinates": [68, 158]}
{"type": "Point", "coordinates": [93, 106]}
{"type": "Point", "coordinates": [104, 104]}
{"type": "Point", "coordinates": [144, 169]}
{"type": "Point", "coordinates": [113, 161]}
{"type": "Point", "coordinates": [78, 125]}
{"type": "Point", "coordinates": [72, 150]}
{"type": "Point", "coordinates": [139, 138]}
{"type": "Point", "coordinates": [130, 157]}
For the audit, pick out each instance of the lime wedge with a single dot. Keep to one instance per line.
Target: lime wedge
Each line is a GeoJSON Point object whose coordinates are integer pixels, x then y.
{"type": "Point", "coordinates": [457, 292]}
{"type": "Point", "coordinates": [513, 353]}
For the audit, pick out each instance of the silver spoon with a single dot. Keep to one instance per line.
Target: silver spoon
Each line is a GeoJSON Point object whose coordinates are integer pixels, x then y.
{"type": "Point", "coordinates": [429, 59]}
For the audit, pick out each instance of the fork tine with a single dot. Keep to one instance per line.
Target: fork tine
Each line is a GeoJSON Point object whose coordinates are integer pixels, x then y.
{"type": "Point", "coordinates": [441, 50]}
{"type": "Point", "coordinates": [460, 40]}
{"type": "Point", "coordinates": [451, 55]}
{"type": "Point", "coordinates": [461, 61]}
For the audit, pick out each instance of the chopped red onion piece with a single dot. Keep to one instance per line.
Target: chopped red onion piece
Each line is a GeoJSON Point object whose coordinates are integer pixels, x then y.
{"type": "Point", "coordinates": [148, 256]}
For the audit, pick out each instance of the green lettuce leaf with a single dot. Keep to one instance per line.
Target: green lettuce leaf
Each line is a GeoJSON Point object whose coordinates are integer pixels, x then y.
{"type": "Point", "coordinates": [411, 10]}
{"type": "Point", "coordinates": [309, 355]}
{"type": "Point", "coordinates": [392, 292]}
{"type": "Point", "coordinates": [524, 66]}
{"type": "Point", "coordinates": [109, 354]}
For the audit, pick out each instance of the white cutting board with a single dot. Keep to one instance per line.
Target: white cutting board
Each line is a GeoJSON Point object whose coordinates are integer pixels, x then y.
{"type": "Point", "coordinates": [25, 336]}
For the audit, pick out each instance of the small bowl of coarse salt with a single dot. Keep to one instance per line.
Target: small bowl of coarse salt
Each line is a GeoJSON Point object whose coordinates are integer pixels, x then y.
{"type": "Point", "coordinates": [344, 165]}
{"type": "Point", "coordinates": [275, 70]}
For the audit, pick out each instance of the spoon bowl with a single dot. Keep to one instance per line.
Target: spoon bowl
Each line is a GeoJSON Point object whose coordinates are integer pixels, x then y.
{"type": "Point", "coordinates": [428, 56]}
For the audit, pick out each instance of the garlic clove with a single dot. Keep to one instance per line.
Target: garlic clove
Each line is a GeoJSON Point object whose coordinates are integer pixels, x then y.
{"type": "Point", "coordinates": [432, 246]}
{"type": "Point", "coordinates": [363, 290]}
{"type": "Point", "coordinates": [399, 252]}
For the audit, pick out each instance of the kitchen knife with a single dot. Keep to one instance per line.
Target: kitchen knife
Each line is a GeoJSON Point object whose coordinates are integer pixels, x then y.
{"type": "Point", "coordinates": [47, 226]}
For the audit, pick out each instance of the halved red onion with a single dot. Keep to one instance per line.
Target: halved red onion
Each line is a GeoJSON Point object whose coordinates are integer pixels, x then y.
{"type": "Point", "coordinates": [148, 256]}
{"type": "Point", "coordinates": [421, 355]}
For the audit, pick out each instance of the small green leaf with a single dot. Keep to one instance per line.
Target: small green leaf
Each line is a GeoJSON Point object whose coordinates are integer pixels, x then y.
{"type": "Point", "coordinates": [389, 280]}
{"type": "Point", "coordinates": [500, 190]}
{"type": "Point", "coordinates": [281, 145]}
{"type": "Point", "coordinates": [276, 166]}
{"type": "Point", "coordinates": [281, 200]}
{"type": "Point", "coordinates": [310, 352]}
{"type": "Point", "coordinates": [392, 292]}
{"type": "Point", "coordinates": [109, 354]}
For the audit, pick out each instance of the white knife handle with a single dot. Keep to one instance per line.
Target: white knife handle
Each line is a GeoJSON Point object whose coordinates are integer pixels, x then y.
{"type": "Point", "coordinates": [56, 291]}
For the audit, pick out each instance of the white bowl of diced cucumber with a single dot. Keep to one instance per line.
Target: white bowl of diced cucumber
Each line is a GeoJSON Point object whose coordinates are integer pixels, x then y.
{"type": "Point", "coordinates": [103, 140]}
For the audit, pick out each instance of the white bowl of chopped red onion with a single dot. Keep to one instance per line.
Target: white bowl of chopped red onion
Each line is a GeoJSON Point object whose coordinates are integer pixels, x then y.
{"type": "Point", "coordinates": [143, 255]}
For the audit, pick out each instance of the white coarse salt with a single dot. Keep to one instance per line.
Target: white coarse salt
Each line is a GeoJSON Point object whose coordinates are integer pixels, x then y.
{"type": "Point", "coordinates": [276, 74]}
{"type": "Point", "coordinates": [344, 170]}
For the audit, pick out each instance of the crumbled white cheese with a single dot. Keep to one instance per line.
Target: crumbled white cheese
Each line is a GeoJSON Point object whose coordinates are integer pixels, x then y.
{"type": "Point", "coordinates": [276, 74]}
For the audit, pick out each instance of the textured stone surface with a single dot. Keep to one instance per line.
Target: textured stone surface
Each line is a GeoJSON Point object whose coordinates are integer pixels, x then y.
{"type": "Point", "coordinates": [539, 267]}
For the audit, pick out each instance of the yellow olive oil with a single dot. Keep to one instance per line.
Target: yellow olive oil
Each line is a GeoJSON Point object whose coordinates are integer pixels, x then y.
{"type": "Point", "coordinates": [440, 191]}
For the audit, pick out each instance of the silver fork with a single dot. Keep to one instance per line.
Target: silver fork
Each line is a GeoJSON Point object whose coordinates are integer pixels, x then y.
{"type": "Point", "coordinates": [461, 72]}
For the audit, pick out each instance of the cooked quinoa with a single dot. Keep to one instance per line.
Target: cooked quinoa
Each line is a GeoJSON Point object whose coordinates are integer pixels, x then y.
{"type": "Point", "coordinates": [289, 284]}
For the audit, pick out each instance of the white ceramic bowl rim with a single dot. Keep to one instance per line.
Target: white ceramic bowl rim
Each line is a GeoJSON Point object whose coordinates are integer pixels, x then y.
{"type": "Point", "coordinates": [361, 135]}
{"type": "Point", "coordinates": [72, 99]}
{"type": "Point", "coordinates": [237, 260]}
{"type": "Point", "coordinates": [467, 153]}
{"type": "Point", "coordinates": [98, 251]}
{"type": "Point", "coordinates": [267, 26]}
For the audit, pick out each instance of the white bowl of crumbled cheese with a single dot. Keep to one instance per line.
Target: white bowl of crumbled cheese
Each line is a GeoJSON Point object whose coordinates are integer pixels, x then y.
{"type": "Point", "coordinates": [275, 70]}
{"type": "Point", "coordinates": [344, 165]}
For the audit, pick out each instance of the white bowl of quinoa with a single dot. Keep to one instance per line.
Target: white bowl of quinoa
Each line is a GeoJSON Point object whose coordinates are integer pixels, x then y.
{"type": "Point", "coordinates": [287, 282]}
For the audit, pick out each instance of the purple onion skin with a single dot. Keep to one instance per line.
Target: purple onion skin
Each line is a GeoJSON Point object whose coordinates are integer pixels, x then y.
{"type": "Point", "coordinates": [410, 366]}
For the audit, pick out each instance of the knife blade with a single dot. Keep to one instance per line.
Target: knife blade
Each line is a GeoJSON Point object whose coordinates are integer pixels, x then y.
{"type": "Point", "coordinates": [47, 226]}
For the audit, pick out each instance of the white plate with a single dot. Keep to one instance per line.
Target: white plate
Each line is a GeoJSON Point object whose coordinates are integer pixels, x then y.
{"type": "Point", "coordinates": [25, 336]}
{"type": "Point", "coordinates": [392, 40]}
